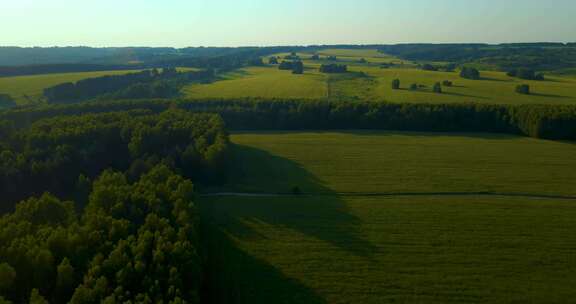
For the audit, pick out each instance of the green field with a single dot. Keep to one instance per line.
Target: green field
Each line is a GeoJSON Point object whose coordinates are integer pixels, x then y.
{"type": "Point", "coordinates": [368, 81]}
{"type": "Point", "coordinates": [32, 86]}
{"type": "Point", "coordinates": [262, 82]}
{"type": "Point", "coordinates": [389, 217]}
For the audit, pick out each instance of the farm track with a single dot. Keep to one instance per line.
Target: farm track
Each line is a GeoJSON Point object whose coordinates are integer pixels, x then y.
{"type": "Point", "coordinates": [393, 194]}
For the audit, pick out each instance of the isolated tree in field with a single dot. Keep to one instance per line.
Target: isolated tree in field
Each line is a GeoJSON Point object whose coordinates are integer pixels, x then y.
{"type": "Point", "coordinates": [315, 57]}
{"type": "Point", "coordinates": [362, 60]}
{"type": "Point", "coordinates": [437, 88]}
{"type": "Point", "coordinates": [396, 84]}
{"type": "Point", "coordinates": [447, 83]}
{"type": "Point", "coordinates": [332, 58]}
{"type": "Point", "coordinates": [523, 89]}
{"type": "Point", "coordinates": [273, 60]}
{"type": "Point", "coordinates": [470, 73]}
{"type": "Point", "coordinates": [298, 67]}
{"type": "Point", "coordinates": [414, 87]}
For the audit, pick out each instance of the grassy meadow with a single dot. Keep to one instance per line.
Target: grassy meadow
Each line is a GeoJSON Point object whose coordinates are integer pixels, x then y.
{"type": "Point", "coordinates": [262, 82]}
{"type": "Point", "coordinates": [394, 217]}
{"type": "Point", "coordinates": [369, 81]}
{"type": "Point", "coordinates": [26, 89]}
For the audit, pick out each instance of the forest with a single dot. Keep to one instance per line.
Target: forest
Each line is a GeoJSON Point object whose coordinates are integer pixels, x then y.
{"type": "Point", "coordinates": [102, 206]}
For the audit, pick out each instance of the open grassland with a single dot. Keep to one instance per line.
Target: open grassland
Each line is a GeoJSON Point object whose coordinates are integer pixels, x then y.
{"type": "Point", "coordinates": [26, 89]}
{"type": "Point", "coordinates": [368, 81]}
{"type": "Point", "coordinates": [390, 162]}
{"type": "Point", "coordinates": [394, 217]}
{"type": "Point", "coordinates": [262, 82]}
{"type": "Point", "coordinates": [395, 250]}
{"type": "Point", "coordinates": [494, 87]}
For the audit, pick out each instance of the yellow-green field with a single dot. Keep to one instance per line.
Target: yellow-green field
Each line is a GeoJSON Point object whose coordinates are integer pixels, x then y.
{"type": "Point", "coordinates": [395, 218]}
{"type": "Point", "coordinates": [368, 81]}
{"type": "Point", "coordinates": [32, 86]}
{"type": "Point", "coordinates": [263, 82]}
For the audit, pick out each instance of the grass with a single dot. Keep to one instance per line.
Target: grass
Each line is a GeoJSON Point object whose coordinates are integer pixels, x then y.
{"type": "Point", "coordinates": [331, 247]}
{"type": "Point", "coordinates": [262, 82]}
{"type": "Point", "coordinates": [367, 81]}
{"type": "Point", "coordinates": [404, 162]}
{"type": "Point", "coordinates": [26, 89]}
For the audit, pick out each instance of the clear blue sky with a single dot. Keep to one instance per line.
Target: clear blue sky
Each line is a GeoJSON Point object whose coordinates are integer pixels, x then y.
{"type": "Point", "coordinates": [281, 22]}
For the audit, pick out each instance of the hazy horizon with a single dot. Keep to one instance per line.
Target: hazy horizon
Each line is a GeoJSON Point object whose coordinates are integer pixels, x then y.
{"type": "Point", "coordinates": [179, 23]}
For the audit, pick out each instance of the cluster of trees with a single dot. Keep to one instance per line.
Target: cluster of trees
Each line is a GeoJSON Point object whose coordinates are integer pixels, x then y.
{"type": "Point", "coordinates": [145, 84]}
{"type": "Point", "coordinates": [273, 60]}
{"type": "Point", "coordinates": [333, 68]}
{"type": "Point", "coordinates": [429, 67]}
{"type": "Point", "coordinates": [447, 83]}
{"type": "Point", "coordinates": [6, 101]}
{"type": "Point", "coordinates": [134, 242]}
{"type": "Point", "coordinates": [332, 58]}
{"type": "Point", "coordinates": [523, 89]}
{"type": "Point", "coordinates": [470, 73]}
{"type": "Point", "coordinates": [51, 153]}
{"type": "Point", "coordinates": [297, 67]}
{"type": "Point", "coordinates": [526, 74]}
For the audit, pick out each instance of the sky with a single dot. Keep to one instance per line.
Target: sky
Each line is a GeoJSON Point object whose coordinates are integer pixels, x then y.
{"type": "Point", "coordinates": [181, 23]}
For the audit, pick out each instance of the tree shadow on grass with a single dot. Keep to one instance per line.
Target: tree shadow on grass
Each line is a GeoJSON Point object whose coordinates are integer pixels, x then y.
{"type": "Point", "coordinates": [463, 95]}
{"type": "Point", "coordinates": [495, 79]}
{"type": "Point", "coordinates": [233, 276]}
{"type": "Point", "coordinates": [548, 95]}
{"type": "Point", "coordinates": [316, 212]}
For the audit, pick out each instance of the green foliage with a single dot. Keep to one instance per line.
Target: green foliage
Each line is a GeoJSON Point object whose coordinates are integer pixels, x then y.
{"type": "Point", "coordinates": [333, 68]}
{"type": "Point", "coordinates": [71, 146]}
{"type": "Point", "coordinates": [396, 84]}
{"type": "Point", "coordinates": [447, 83]}
{"type": "Point", "coordinates": [470, 73]}
{"type": "Point", "coordinates": [7, 277]}
{"type": "Point", "coordinates": [437, 88]}
{"type": "Point", "coordinates": [133, 242]}
{"type": "Point", "coordinates": [523, 89]}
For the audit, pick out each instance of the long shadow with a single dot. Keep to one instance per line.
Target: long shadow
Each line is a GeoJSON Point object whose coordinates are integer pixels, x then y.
{"type": "Point", "coordinates": [463, 95]}
{"type": "Point", "coordinates": [236, 276]}
{"type": "Point", "coordinates": [233, 276]}
{"type": "Point", "coordinates": [494, 79]}
{"type": "Point", "coordinates": [548, 95]}
{"type": "Point", "coordinates": [324, 217]}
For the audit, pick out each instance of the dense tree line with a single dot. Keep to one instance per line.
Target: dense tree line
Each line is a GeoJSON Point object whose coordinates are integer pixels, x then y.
{"type": "Point", "coordinates": [51, 153]}
{"type": "Point", "coordinates": [134, 242]}
{"type": "Point", "coordinates": [333, 68]}
{"type": "Point", "coordinates": [538, 56]}
{"type": "Point", "coordinates": [540, 121]}
{"type": "Point", "coordinates": [144, 84]}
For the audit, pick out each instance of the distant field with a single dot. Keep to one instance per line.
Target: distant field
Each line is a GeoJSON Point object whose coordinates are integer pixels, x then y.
{"type": "Point", "coordinates": [370, 82]}
{"type": "Point", "coordinates": [330, 246]}
{"type": "Point", "coordinates": [32, 86]}
{"type": "Point", "coordinates": [262, 82]}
